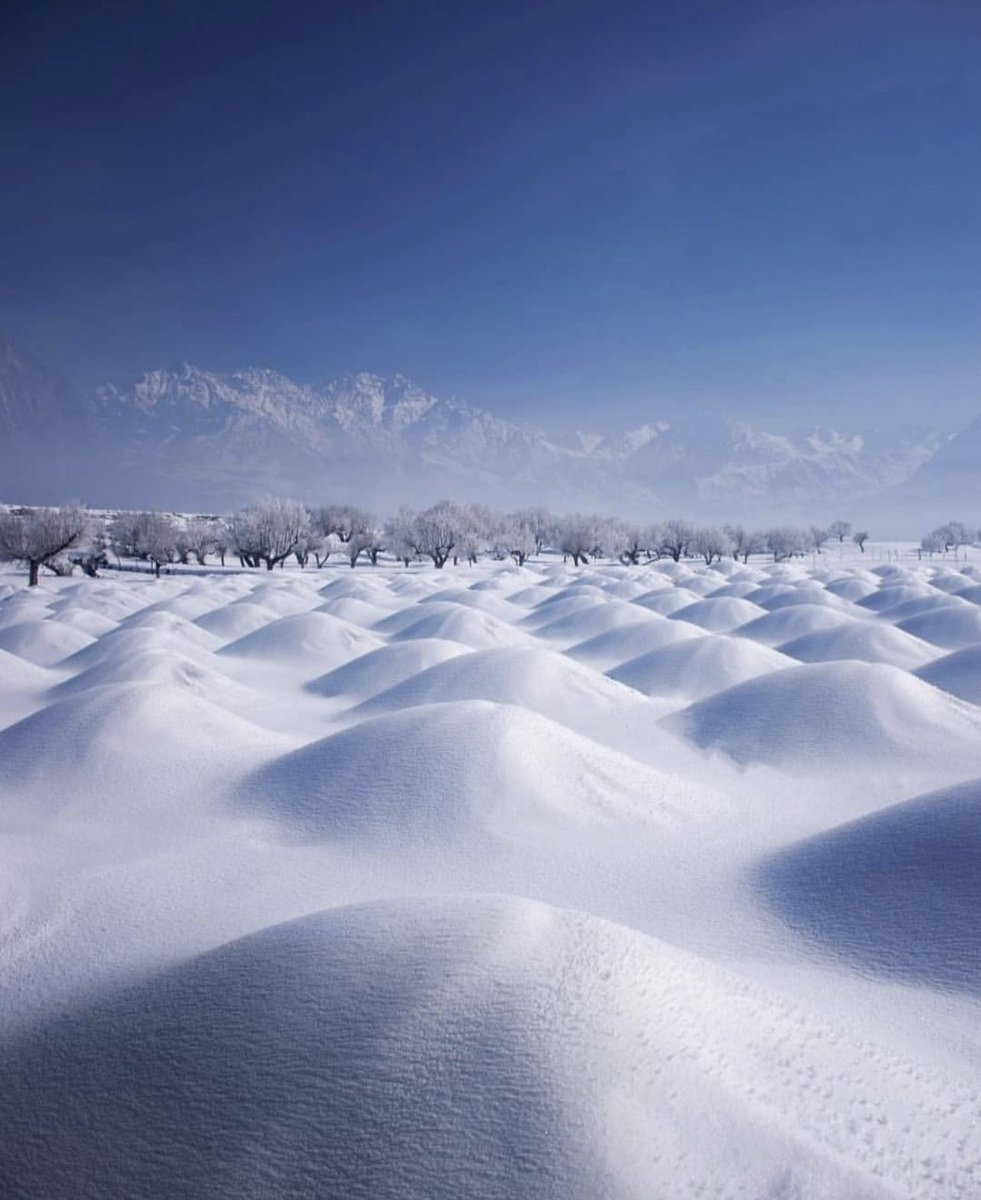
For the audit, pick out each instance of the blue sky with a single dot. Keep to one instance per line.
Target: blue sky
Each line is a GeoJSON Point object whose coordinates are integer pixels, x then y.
{"type": "Point", "coordinates": [573, 211]}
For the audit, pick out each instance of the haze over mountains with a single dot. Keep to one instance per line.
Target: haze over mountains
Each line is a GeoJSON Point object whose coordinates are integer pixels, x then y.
{"type": "Point", "coordinates": [190, 438]}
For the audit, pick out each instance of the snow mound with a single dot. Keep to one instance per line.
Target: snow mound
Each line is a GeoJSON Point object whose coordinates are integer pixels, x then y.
{"type": "Point", "coordinates": [958, 673]}
{"type": "Point", "coordinates": [43, 642]}
{"type": "Point", "coordinates": [458, 772]}
{"type": "Point", "coordinates": [315, 639]}
{"type": "Point", "coordinates": [590, 622]}
{"type": "Point", "coordinates": [365, 613]}
{"type": "Point", "coordinates": [22, 674]}
{"type": "Point", "coordinates": [609, 649]}
{"type": "Point", "coordinates": [91, 736]}
{"type": "Point", "coordinates": [787, 623]}
{"type": "Point", "coordinates": [952, 628]}
{"type": "Point", "coordinates": [480, 1047]}
{"type": "Point", "coordinates": [665, 600]}
{"type": "Point", "coordinates": [478, 630]}
{"type": "Point", "coordinates": [826, 715]}
{"type": "Point", "coordinates": [698, 667]}
{"type": "Point", "coordinates": [536, 678]}
{"type": "Point", "coordinates": [719, 615]}
{"type": "Point", "coordinates": [867, 641]}
{"type": "Point", "coordinates": [235, 621]}
{"type": "Point", "coordinates": [896, 892]}
{"type": "Point", "coordinates": [381, 669]}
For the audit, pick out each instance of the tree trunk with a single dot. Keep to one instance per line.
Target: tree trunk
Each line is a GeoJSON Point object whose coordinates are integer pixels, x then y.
{"type": "Point", "coordinates": [33, 567]}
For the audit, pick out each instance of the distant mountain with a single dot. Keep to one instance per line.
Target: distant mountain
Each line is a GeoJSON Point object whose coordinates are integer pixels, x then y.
{"type": "Point", "coordinates": [192, 438]}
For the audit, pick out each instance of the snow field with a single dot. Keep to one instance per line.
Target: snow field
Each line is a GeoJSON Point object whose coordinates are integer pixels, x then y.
{"type": "Point", "coordinates": [490, 882]}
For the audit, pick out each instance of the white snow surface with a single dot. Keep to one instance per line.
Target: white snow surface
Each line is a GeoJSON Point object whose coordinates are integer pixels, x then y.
{"type": "Point", "coordinates": [489, 882]}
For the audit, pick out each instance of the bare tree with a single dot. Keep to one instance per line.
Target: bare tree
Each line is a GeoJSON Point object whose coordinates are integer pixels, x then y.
{"type": "Point", "coordinates": [860, 539]}
{"type": "Point", "coordinates": [37, 536]}
{"type": "Point", "coordinates": [840, 530]}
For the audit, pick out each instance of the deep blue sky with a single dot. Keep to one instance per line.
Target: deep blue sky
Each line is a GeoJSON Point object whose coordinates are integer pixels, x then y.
{"type": "Point", "coordinates": [540, 207]}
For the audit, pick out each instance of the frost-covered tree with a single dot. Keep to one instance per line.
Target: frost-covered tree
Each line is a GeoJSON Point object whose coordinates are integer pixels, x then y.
{"type": "Point", "coordinates": [577, 537]}
{"type": "Point", "coordinates": [674, 538]}
{"type": "Point", "coordinates": [149, 536]}
{"type": "Point", "coordinates": [816, 537]}
{"type": "Point", "coordinates": [710, 543]}
{"type": "Point", "coordinates": [38, 536]}
{"type": "Point", "coordinates": [742, 543]}
{"type": "Point", "coordinates": [783, 541]}
{"type": "Point", "coordinates": [269, 531]}
{"type": "Point", "coordinates": [840, 530]}
{"type": "Point", "coordinates": [516, 535]}
{"type": "Point", "coordinates": [860, 538]}
{"type": "Point", "coordinates": [398, 534]}
{"type": "Point", "coordinates": [435, 533]}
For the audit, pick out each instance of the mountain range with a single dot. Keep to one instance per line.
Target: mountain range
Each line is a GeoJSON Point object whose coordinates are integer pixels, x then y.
{"type": "Point", "coordinates": [188, 438]}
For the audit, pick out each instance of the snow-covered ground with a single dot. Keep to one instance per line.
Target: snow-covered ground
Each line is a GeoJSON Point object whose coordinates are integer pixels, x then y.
{"type": "Point", "coordinates": [656, 881]}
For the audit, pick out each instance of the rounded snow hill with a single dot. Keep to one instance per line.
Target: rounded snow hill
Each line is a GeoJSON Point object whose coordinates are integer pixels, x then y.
{"type": "Point", "coordinates": [822, 715]}
{"type": "Point", "coordinates": [536, 678]}
{"type": "Point", "coordinates": [971, 593]}
{"type": "Point", "coordinates": [124, 737]}
{"type": "Point", "coordinates": [920, 605]}
{"type": "Point", "coordinates": [867, 641]}
{"type": "Point", "coordinates": [958, 673]}
{"type": "Point", "coordinates": [598, 618]}
{"type": "Point", "coordinates": [92, 623]}
{"type": "Point", "coordinates": [380, 669]}
{"type": "Point", "coordinates": [798, 620]}
{"type": "Point", "coordinates": [455, 623]}
{"type": "Point", "coordinates": [157, 631]}
{"type": "Point", "coordinates": [22, 674]}
{"type": "Point", "coordinates": [163, 666]}
{"type": "Point", "coordinates": [952, 628]}
{"type": "Point", "coordinates": [460, 772]}
{"type": "Point", "coordinates": [628, 641]}
{"type": "Point", "coordinates": [44, 642]}
{"type": "Point", "coordinates": [25, 606]}
{"type": "Point", "coordinates": [813, 595]}
{"type": "Point", "coordinates": [699, 667]}
{"type": "Point", "coordinates": [718, 615]}
{"type": "Point", "coordinates": [480, 1047]}
{"type": "Point", "coordinates": [665, 600]}
{"type": "Point", "coordinates": [897, 892]}
{"type": "Point", "coordinates": [315, 639]}
{"type": "Point", "coordinates": [852, 587]}
{"type": "Point", "coordinates": [365, 613]}
{"type": "Point", "coordinates": [891, 595]}
{"type": "Point", "coordinates": [234, 621]}
{"type": "Point", "coordinates": [563, 604]}
{"type": "Point", "coordinates": [285, 597]}
{"type": "Point", "coordinates": [737, 588]}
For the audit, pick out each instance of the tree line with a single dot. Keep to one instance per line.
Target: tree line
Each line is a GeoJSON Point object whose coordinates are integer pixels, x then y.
{"type": "Point", "coordinates": [272, 531]}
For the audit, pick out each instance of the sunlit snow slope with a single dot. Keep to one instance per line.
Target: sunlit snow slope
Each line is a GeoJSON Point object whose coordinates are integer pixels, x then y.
{"type": "Point", "coordinates": [489, 882]}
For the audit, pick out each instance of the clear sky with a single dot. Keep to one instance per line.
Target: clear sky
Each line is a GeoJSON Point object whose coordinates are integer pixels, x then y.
{"type": "Point", "coordinates": [546, 208]}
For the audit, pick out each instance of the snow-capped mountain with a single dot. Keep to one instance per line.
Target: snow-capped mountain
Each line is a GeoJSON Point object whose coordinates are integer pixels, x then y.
{"type": "Point", "coordinates": [191, 437]}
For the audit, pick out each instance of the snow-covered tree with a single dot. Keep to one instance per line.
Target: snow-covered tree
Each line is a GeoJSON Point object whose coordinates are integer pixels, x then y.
{"type": "Point", "coordinates": [398, 534]}
{"type": "Point", "coordinates": [577, 537]}
{"type": "Point", "coordinates": [783, 541]}
{"type": "Point", "coordinates": [435, 533]}
{"type": "Point", "coordinates": [269, 531]}
{"type": "Point", "coordinates": [816, 537]}
{"type": "Point", "coordinates": [860, 538]}
{"type": "Point", "coordinates": [710, 543]}
{"type": "Point", "coordinates": [840, 530]}
{"type": "Point", "coordinates": [674, 538]}
{"type": "Point", "coordinates": [38, 536]}
{"type": "Point", "coordinates": [149, 536]}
